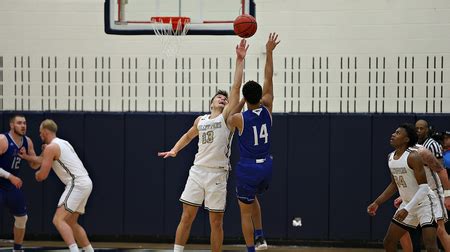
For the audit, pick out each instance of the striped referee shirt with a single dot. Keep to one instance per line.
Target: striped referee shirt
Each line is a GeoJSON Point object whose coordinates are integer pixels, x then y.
{"type": "Point", "coordinates": [434, 147]}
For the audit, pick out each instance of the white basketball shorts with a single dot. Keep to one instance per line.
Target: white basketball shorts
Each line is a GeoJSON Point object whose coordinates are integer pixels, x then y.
{"type": "Point", "coordinates": [439, 193]}
{"type": "Point", "coordinates": [75, 196]}
{"type": "Point", "coordinates": [425, 213]}
{"type": "Point", "coordinates": [208, 186]}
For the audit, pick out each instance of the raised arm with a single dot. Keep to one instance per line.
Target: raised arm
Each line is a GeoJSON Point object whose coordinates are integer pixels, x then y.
{"type": "Point", "coordinates": [235, 119]}
{"type": "Point", "coordinates": [267, 94]}
{"type": "Point", "coordinates": [238, 108]}
{"type": "Point", "coordinates": [182, 142]}
{"type": "Point", "coordinates": [233, 99]}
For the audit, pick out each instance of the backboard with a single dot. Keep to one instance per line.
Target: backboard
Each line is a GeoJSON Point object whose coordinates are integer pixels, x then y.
{"type": "Point", "coordinates": [207, 17]}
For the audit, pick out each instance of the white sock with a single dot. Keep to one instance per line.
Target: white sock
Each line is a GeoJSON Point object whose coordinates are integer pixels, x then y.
{"type": "Point", "coordinates": [73, 248]}
{"type": "Point", "coordinates": [88, 248]}
{"type": "Point", "coordinates": [178, 248]}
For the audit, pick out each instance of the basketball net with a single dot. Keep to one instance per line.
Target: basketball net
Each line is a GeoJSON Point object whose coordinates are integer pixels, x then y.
{"type": "Point", "coordinates": [170, 31]}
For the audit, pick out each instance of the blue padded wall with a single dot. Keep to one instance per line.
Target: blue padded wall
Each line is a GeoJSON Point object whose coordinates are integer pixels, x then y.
{"type": "Point", "coordinates": [307, 175]}
{"type": "Point", "coordinates": [350, 143]}
{"type": "Point", "coordinates": [104, 138]}
{"type": "Point", "coordinates": [327, 169]}
{"type": "Point", "coordinates": [144, 187]}
{"type": "Point", "coordinates": [274, 201]}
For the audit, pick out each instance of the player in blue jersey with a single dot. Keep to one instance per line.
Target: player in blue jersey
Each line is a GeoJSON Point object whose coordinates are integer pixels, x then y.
{"type": "Point", "coordinates": [254, 170]}
{"type": "Point", "coordinates": [207, 181]}
{"type": "Point", "coordinates": [11, 196]}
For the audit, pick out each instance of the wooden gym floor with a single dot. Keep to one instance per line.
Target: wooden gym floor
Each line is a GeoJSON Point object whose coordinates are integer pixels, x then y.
{"type": "Point", "coordinates": [5, 245]}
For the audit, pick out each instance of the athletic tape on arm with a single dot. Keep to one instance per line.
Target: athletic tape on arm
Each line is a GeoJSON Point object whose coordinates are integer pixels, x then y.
{"type": "Point", "coordinates": [418, 197]}
{"type": "Point", "coordinates": [4, 174]}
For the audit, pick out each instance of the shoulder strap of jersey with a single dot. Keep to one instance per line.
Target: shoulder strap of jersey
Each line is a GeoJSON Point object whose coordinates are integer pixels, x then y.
{"type": "Point", "coordinates": [10, 140]}
{"type": "Point", "coordinates": [25, 142]}
{"type": "Point", "coordinates": [268, 113]}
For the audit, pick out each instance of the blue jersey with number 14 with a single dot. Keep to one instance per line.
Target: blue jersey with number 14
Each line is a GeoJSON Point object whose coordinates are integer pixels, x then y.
{"type": "Point", "coordinates": [254, 142]}
{"type": "Point", "coordinates": [10, 160]}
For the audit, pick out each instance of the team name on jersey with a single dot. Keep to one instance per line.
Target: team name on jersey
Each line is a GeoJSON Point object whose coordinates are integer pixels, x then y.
{"type": "Point", "coordinates": [396, 171]}
{"type": "Point", "coordinates": [204, 127]}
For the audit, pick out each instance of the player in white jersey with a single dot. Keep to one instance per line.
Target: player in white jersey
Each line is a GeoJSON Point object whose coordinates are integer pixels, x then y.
{"type": "Point", "coordinates": [207, 181]}
{"type": "Point", "coordinates": [409, 179]}
{"type": "Point", "coordinates": [438, 181]}
{"type": "Point", "coordinates": [60, 155]}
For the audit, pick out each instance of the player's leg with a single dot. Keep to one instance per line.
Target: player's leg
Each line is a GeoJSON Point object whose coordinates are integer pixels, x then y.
{"type": "Point", "coordinates": [429, 238]}
{"type": "Point", "coordinates": [79, 233]}
{"type": "Point", "coordinates": [19, 231]}
{"type": "Point", "coordinates": [16, 204]}
{"type": "Point", "coordinates": [59, 220]}
{"type": "Point", "coordinates": [249, 177]}
{"type": "Point", "coordinates": [184, 227]}
{"type": "Point", "coordinates": [427, 214]}
{"type": "Point", "coordinates": [215, 181]}
{"type": "Point", "coordinates": [393, 235]}
{"type": "Point", "coordinates": [260, 240]}
{"type": "Point", "coordinates": [442, 234]}
{"type": "Point", "coordinates": [416, 239]}
{"type": "Point", "coordinates": [192, 198]}
{"type": "Point", "coordinates": [256, 218]}
{"type": "Point", "coordinates": [76, 203]}
{"type": "Point", "coordinates": [247, 223]}
{"type": "Point", "coordinates": [441, 217]}
{"type": "Point", "coordinates": [406, 243]}
{"type": "Point", "coordinates": [216, 222]}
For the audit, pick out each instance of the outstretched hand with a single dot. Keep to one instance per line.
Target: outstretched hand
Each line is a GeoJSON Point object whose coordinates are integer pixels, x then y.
{"type": "Point", "coordinates": [241, 49]}
{"type": "Point", "coordinates": [167, 154]}
{"type": "Point", "coordinates": [272, 42]}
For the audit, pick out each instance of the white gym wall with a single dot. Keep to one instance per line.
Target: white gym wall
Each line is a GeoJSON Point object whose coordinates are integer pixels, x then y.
{"type": "Point", "coordinates": [335, 56]}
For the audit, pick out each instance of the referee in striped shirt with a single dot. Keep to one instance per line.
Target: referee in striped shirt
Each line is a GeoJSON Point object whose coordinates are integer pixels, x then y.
{"type": "Point", "coordinates": [423, 132]}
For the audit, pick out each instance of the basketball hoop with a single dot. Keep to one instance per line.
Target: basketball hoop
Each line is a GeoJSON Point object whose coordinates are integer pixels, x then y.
{"type": "Point", "coordinates": [170, 31]}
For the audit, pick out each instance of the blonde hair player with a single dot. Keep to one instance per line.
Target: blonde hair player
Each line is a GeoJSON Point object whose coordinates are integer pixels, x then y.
{"type": "Point", "coordinates": [60, 155]}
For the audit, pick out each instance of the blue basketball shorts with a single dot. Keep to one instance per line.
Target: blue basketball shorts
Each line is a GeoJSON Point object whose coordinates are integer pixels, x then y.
{"type": "Point", "coordinates": [13, 199]}
{"type": "Point", "coordinates": [252, 178]}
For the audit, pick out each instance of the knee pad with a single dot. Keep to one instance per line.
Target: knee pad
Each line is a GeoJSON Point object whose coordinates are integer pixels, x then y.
{"type": "Point", "coordinates": [21, 221]}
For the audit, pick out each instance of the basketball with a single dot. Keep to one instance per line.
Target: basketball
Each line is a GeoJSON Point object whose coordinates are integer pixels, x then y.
{"type": "Point", "coordinates": [245, 26]}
